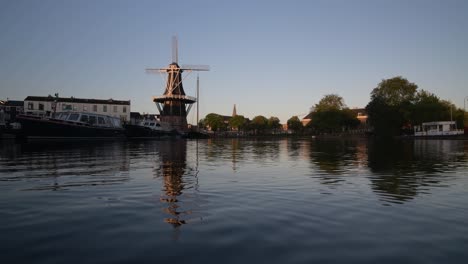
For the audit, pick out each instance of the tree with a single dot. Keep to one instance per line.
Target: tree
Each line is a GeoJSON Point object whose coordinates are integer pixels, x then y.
{"type": "Point", "coordinates": [395, 91]}
{"type": "Point", "coordinates": [294, 124]}
{"type": "Point", "coordinates": [274, 123]}
{"type": "Point", "coordinates": [259, 123]}
{"type": "Point", "coordinates": [331, 115]}
{"type": "Point", "coordinates": [214, 121]}
{"type": "Point", "coordinates": [391, 104]}
{"type": "Point", "coordinates": [428, 107]}
{"type": "Point", "coordinates": [333, 121]}
{"type": "Point", "coordinates": [330, 102]}
{"type": "Point", "coordinates": [237, 122]}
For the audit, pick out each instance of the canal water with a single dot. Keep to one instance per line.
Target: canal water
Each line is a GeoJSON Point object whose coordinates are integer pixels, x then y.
{"type": "Point", "coordinates": [234, 201]}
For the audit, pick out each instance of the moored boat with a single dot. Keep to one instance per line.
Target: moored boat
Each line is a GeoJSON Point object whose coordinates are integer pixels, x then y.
{"type": "Point", "coordinates": [438, 129]}
{"type": "Point", "coordinates": [149, 129]}
{"type": "Point", "coordinates": [69, 125]}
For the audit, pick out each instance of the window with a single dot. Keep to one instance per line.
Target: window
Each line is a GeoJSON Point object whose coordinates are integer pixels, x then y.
{"type": "Point", "coordinates": [124, 109]}
{"type": "Point", "coordinates": [75, 108]}
{"type": "Point", "coordinates": [85, 108]}
{"type": "Point", "coordinates": [115, 109]}
{"type": "Point", "coordinates": [94, 108]}
{"type": "Point", "coordinates": [84, 118]}
{"type": "Point", "coordinates": [73, 117]}
{"type": "Point", "coordinates": [101, 121]}
{"type": "Point", "coordinates": [66, 107]}
{"type": "Point", "coordinates": [30, 106]}
{"type": "Point", "coordinates": [104, 108]}
{"type": "Point", "coordinates": [41, 107]}
{"type": "Point", "coordinates": [92, 120]}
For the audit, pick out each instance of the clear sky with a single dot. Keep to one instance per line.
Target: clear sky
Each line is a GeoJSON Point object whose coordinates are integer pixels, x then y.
{"type": "Point", "coordinates": [271, 58]}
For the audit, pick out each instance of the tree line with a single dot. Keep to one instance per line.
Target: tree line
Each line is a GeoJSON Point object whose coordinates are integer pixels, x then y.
{"type": "Point", "coordinates": [396, 105]}
{"type": "Point", "coordinates": [258, 125]}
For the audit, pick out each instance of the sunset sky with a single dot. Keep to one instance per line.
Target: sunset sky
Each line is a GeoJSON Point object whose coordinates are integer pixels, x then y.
{"type": "Point", "coordinates": [271, 58]}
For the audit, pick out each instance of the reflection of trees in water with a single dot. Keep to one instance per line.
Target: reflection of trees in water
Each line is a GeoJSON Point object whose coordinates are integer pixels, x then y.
{"type": "Point", "coordinates": [401, 169]}
{"type": "Point", "coordinates": [263, 150]}
{"type": "Point", "coordinates": [216, 149]}
{"type": "Point", "coordinates": [69, 164]}
{"type": "Point", "coordinates": [178, 180]}
{"type": "Point", "coordinates": [237, 150]}
{"type": "Point", "coordinates": [334, 157]}
{"type": "Point", "coordinates": [294, 147]}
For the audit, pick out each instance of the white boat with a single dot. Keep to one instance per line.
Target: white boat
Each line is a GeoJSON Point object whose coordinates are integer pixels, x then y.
{"type": "Point", "coordinates": [438, 128]}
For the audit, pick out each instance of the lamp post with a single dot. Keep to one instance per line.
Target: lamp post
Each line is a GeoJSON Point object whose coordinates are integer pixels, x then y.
{"type": "Point", "coordinates": [464, 103]}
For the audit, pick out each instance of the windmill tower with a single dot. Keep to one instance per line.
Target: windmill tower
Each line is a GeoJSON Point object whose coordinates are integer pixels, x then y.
{"type": "Point", "coordinates": [174, 104]}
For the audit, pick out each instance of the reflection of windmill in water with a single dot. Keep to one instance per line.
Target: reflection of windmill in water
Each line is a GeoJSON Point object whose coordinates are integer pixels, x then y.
{"type": "Point", "coordinates": [178, 184]}
{"type": "Point", "coordinates": [174, 104]}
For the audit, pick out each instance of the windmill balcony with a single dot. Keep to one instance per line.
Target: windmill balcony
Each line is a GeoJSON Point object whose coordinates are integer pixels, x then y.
{"type": "Point", "coordinates": [174, 97]}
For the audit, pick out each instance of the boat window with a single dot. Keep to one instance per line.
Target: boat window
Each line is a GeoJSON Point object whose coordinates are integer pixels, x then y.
{"type": "Point", "coordinates": [158, 125]}
{"type": "Point", "coordinates": [63, 116]}
{"type": "Point", "coordinates": [151, 124]}
{"type": "Point", "coordinates": [84, 118]}
{"type": "Point", "coordinates": [101, 121]}
{"type": "Point", "coordinates": [440, 127]}
{"type": "Point", "coordinates": [146, 123]}
{"type": "Point", "coordinates": [73, 117]}
{"type": "Point", "coordinates": [92, 120]}
{"type": "Point", "coordinates": [115, 122]}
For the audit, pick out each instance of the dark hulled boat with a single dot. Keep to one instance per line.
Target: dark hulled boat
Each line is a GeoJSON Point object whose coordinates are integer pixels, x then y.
{"type": "Point", "coordinates": [70, 125]}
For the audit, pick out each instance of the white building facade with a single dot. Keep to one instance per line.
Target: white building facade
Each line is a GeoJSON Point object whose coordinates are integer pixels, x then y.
{"type": "Point", "coordinates": [46, 105]}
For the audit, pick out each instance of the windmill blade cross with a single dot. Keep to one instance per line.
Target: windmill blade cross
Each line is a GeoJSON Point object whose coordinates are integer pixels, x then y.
{"type": "Point", "coordinates": [175, 50]}
{"type": "Point", "coordinates": [156, 70]}
{"type": "Point", "coordinates": [195, 67]}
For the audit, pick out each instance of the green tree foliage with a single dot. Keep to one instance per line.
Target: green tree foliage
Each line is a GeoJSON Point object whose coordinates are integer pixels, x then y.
{"type": "Point", "coordinates": [295, 124]}
{"type": "Point", "coordinates": [330, 102]}
{"type": "Point", "coordinates": [428, 107]}
{"type": "Point", "coordinates": [391, 104]}
{"type": "Point", "coordinates": [237, 122]}
{"type": "Point", "coordinates": [331, 115]}
{"type": "Point", "coordinates": [259, 123]}
{"type": "Point", "coordinates": [453, 113]}
{"type": "Point", "coordinates": [333, 121]}
{"type": "Point", "coordinates": [274, 123]}
{"type": "Point", "coordinates": [395, 91]}
{"type": "Point", "coordinates": [214, 121]}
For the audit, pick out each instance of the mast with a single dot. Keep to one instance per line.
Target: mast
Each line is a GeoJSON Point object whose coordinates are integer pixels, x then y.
{"type": "Point", "coordinates": [198, 99]}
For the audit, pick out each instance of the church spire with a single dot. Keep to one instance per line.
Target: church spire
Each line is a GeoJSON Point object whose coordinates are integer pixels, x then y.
{"type": "Point", "coordinates": [234, 112]}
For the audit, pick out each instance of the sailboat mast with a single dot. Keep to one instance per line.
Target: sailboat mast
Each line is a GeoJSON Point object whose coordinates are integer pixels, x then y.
{"type": "Point", "coordinates": [198, 98]}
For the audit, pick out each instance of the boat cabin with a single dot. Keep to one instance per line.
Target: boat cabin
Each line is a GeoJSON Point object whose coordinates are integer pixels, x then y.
{"type": "Point", "coordinates": [90, 119]}
{"type": "Point", "coordinates": [439, 128]}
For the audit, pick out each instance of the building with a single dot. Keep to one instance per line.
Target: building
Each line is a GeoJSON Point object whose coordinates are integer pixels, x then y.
{"type": "Point", "coordinates": [46, 105]}
{"type": "Point", "coordinates": [306, 119]}
{"type": "Point", "coordinates": [361, 115]}
{"type": "Point", "coordinates": [11, 108]}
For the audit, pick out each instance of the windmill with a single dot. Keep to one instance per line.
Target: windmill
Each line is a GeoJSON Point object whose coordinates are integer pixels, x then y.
{"type": "Point", "coordinates": [174, 105]}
